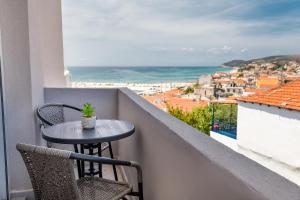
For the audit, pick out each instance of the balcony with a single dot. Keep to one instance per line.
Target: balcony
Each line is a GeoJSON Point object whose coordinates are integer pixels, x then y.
{"type": "Point", "coordinates": [178, 161]}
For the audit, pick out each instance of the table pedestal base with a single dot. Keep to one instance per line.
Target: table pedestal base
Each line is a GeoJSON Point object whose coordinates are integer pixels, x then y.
{"type": "Point", "coordinates": [92, 171]}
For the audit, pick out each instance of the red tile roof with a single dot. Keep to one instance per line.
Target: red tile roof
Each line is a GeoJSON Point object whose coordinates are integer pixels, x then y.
{"type": "Point", "coordinates": [286, 96]}
{"type": "Point", "coordinates": [161, 100]}
{"type": "Point", "coordinates": [267, 82]}
{"type": "Point", "coordinates": [240, 81]}
{"type": "Point", "coordinates": [186, 104]}
{"type": "Point", "coordinates": [256, 90]}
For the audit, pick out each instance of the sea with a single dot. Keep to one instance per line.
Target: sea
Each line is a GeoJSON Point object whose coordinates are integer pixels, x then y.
{"type": "Point", "coordinates": [141, 74]}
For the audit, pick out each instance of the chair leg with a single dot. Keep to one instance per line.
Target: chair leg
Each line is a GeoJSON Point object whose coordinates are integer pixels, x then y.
{"type": "Point", "coordinates": [91, 153]}
{"type": "Point", "coordinates": [112, 156]}
{"type": "Point", "coordinates": [77, 161]}
{"type": "Point", "coordinates": [100, 155]}
{"type": "Point", "coordinates": [141, 192]}
{"type": "Point", "coordinates": [49, 144]}
{"type": "Point", "coordinates": [82, 162]}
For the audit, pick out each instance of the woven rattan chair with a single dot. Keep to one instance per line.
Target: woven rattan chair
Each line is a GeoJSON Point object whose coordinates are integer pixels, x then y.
{"type": "Point", "coordinates": [51, 114]}
{"type": "Point", "coordinates": [52, 176]}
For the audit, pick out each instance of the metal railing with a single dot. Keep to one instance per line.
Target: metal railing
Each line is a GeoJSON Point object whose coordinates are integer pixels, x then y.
{"type": "Point", "coordinates": [225, 128]}
{"type": "Point", "coordinates": [224, 119]}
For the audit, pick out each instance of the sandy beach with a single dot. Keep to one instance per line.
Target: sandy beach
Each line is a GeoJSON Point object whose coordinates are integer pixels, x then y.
{"type": "Point", "coordinates": [143, 88]}
{"type": "Point", "coordinates": [139, 88]}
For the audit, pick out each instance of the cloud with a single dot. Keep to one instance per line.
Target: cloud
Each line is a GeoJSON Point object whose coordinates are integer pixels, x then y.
{"type": "Point", "coordinates": [187, 49]}
{"type": "Point", "coordinates": [223, 50]}
{"type": "Point", "coordinates": [134, 32]}
{"type": "Point", "coordinates": [226, 48]}
{"type": "Point", "coordinates": [244, 50]}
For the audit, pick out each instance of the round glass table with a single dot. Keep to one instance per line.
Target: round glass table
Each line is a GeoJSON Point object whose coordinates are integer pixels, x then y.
{"type": "Point", "coordinates": [73, 133]}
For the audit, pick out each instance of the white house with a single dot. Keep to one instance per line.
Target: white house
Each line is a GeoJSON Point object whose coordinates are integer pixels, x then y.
{"type": "Point", "coordinates": [268, 129]}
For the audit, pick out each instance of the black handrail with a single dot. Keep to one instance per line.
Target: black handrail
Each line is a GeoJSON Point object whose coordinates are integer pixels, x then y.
{"type": "Point", "coordinates": [103, 160]}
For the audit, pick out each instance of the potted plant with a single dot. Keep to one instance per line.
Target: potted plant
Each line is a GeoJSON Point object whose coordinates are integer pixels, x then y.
{"type": "Point", "coordinates": [88, 119]}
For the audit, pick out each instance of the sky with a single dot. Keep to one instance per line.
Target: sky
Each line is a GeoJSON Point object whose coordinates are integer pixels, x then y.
{"type": "Point", "coordinates": [177, 32]}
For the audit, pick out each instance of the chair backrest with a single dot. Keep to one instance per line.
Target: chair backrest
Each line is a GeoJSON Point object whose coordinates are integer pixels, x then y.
{"type": "Point", "coordinates": [51, 114]}
{"type": "Point", "coordinates": [51, 172]}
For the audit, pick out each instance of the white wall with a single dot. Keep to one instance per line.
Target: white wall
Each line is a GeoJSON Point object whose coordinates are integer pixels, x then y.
{"type": "Point", "coordinates": [46, 49]}
{"type": "Point", "coordinates": [19, 119]}
{"type": "Point", "coordinates": [227, 141]}
{"type": "Point", "coordinates": [104, 100]}
{"type": "Point", "coordinates": [271, 136]}
{"type": "Point", "coordinates": [3, 178]}
{"type": "Point", "coordinates": [31, 35]}
{"type": "Point", "coordinates": [46, 43]}
{"type": "Point", "coordinates": [179, 162]}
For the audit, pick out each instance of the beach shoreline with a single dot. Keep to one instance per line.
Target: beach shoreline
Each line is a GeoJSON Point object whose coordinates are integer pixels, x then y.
{"type": "Point", "coordinates": [151, 75]}
{"type": "Point", "coordinates": [139, 88]}
{"type": "Point", "coordinates": [145, 88]}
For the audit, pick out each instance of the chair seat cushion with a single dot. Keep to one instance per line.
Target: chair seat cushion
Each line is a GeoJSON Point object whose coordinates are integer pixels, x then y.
{"type": "Point", "coordinates": [94, 188]}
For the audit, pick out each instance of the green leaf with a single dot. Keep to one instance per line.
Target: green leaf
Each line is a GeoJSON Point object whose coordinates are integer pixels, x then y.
{"type": "Point", "coordinates": [88, 110]}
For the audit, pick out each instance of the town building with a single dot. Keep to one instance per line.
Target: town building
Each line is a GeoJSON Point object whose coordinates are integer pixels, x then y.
{"type": "Point", "coordinates": [268, 129]}
{"type": "Point", "coordinates": [267, 82]}
{"type": "Point", "coordinates": [219, 91]}
{"type": "Point", "coordinates": [206, 91]}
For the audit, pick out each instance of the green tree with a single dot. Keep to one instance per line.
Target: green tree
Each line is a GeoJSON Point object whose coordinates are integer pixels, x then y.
{"type": "Point", "coordinates": [188, 90]}
{"type": "Point", "coordinates": [201, 117]}
{"type": "Point", "coordinates": [227, 113]}
{"type": "Point", "coordinates": [240, 74]}
{"type": "Point", "coordinates": [196, 85]}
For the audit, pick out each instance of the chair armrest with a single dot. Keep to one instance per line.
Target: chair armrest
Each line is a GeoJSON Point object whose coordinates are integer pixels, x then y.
{"type": "Point", "coordinates": [103, 160]}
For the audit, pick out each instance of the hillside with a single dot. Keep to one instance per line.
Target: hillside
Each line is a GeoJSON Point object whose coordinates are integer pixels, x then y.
{"type": "Point", "coordinates": [280, 59]}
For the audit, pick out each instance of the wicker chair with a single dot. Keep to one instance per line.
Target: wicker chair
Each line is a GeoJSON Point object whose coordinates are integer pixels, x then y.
{"type": "Point", "coordinates": [51, 114]}
{"type": "Point", "coordinates": [52, 176]}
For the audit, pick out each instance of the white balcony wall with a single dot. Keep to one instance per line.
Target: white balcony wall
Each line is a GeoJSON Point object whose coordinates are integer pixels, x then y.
{"type": "Point", "coordinates": [104, 100]}
{"type": "Point", "coordinates": [31, 36]}
{"type": "Point", "coordinates": [227, 141]}
{"type": "Point", "coordinates": [271, 137]}
{"type": "Point", "coordinates": [46, 43]}
{"type": "Point", "coordinates": [178, 161]}
{"type": "Point", "coordinates": [19, 120]}
{"type": "Point", "coordinates": [181, 163]}
{"type": "Point", "coordinates": [46, 48]}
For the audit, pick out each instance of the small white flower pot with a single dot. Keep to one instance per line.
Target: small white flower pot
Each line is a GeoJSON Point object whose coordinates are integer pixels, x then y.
{"type": "Point", "coordinates": [88, 122]}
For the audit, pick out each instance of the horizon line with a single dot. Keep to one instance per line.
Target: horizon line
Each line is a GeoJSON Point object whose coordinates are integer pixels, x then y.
{"type": "Point", "coordinates": [144, 66]}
